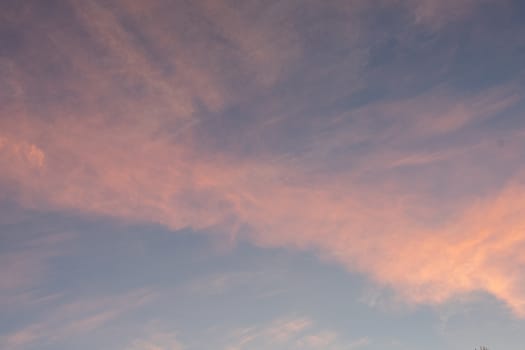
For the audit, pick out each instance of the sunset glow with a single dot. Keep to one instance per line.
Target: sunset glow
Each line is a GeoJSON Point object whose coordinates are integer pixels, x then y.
{"type": "Point", "coordinates": [248, 175]}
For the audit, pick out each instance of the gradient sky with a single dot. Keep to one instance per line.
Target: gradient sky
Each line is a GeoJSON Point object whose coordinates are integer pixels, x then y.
{"type": "Point", "coordinates": [249, 174]}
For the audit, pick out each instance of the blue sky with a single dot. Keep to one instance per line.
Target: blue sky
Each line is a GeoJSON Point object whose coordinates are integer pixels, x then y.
{"type": "Point", "coordinates": [245, 175]}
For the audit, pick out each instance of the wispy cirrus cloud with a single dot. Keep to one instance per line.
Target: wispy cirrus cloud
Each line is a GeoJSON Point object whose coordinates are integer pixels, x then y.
{"type": "Point", "coordinates": [158, 340]}
{"type": "Point", "coordinates": [25, 264]}
{"type": "Point", "coordinates": [75, 318]}
{"type": "Point", "coordinates": [438, 13]}
{"type": "Point", "coordinates": [124, 122]}
{"type": "Point", "coordinates": [291, 333]}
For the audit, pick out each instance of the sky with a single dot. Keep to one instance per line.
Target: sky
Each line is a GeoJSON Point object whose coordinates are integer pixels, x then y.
{"type": "Point", "coordinates": [253, 175]}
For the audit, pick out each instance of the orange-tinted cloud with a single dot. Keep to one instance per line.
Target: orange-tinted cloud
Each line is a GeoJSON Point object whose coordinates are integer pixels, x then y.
{"type": "Point", "coordinates": [127, 146]}
{"type": "Point", "coordinates": [124, 172]}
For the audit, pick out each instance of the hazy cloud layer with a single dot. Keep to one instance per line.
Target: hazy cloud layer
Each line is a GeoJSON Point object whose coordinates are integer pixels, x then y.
{"type": "Point", "coordinates": [292, 124]}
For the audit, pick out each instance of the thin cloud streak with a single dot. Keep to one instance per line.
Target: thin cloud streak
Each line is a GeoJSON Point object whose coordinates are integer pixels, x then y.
{"type": "Point", "coordinates": [75, 318]}
{"type": "Point", "coordinates": [290, 333]}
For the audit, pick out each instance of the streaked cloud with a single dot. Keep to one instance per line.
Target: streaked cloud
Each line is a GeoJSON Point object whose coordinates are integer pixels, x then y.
{"type": "Point", "coordinates": [26, 265]}
{"type": "Point", "coordinates": [75, 318]}
{"type": "Point", "coordinates": [157, 341]}
{"type": "Point", "coordinates": [123, 119]}
{"type": "Point", "coordinates": [291, 333]}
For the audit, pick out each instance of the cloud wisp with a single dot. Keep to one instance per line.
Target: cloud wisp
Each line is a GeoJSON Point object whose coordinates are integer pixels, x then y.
{"type": "Point", "coordinates": [290, 333]}
{"type": "Point", "coordinates": [124, 136]}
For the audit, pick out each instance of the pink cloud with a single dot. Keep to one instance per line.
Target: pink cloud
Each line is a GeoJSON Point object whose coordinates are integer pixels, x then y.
{"type": "Point", "coordinates": [141, 159]}
{"type": "Point", "coordinates": [382, 234]}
